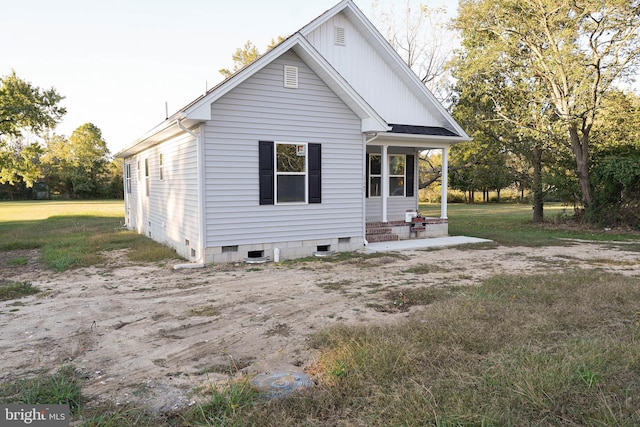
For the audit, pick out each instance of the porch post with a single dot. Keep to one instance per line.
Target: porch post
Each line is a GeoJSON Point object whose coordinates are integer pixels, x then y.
{"type": "Point", "coordinates": [384, 185]}
{"type": "Point", "coordinates": [445, 183]}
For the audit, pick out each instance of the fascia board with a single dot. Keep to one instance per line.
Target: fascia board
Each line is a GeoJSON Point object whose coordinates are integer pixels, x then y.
{"type": "Point", "coordinates": [307, 29]}
{"type": "Point", "coordinates": [421, 141]}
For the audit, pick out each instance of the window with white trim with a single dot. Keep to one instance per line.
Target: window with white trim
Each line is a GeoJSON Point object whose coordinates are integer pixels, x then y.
{"type": "Point", "coordinates": [146, 176]}
{"type": "Point", "coordinates": [127, 173]}
{"type": "Point", "coordinates": [291, 172]}
{"type": "Point", "coordinates": [161, 166]}
{"type": "Point", "coordinates": [375, 175]}
{"type": "Point", "coordinates": [396, 174]}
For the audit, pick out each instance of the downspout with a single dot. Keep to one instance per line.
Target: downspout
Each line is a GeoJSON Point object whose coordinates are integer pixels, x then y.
{"type": "Point", "coordinates": [364, 197]}
{"type": "Point", "coordinates": [199, 263]}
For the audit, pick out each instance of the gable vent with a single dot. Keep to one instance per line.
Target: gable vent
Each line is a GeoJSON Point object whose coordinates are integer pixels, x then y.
{"type": "Point", "coordinates": [290, 77]}
{"type": "Point", "coordinates": [339, 36]}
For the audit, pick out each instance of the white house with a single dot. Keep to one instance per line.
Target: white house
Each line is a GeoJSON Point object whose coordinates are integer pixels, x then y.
{"type": "Point", "coordinates": [311, 148]}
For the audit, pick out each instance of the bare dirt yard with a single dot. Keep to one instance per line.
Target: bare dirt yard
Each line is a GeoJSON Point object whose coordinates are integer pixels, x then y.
{"type": "Point", "coordinates": [150, 335]}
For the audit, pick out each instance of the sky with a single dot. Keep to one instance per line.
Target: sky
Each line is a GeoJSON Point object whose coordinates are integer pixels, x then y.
{"type": "Point", "coordinates": [118, 62]}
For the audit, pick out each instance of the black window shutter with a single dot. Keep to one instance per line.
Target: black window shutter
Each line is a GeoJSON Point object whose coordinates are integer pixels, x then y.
{"type": "Point", "coordinates": [366, 174]}
{"type": "Point", "coordinates": [410, 168]}
{"type": "Point", "coordinates": [315, 173]}
{"type": "Point", "coordinates": [266, 170]}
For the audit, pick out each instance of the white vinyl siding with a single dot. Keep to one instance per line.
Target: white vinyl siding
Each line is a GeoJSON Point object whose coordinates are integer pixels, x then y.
{"type": "Point", "coordinates": [378, 83]}
{"type": "Point", "coordinates": [261, 109]}
{"type": "Point", "coordinates": [169, 213]}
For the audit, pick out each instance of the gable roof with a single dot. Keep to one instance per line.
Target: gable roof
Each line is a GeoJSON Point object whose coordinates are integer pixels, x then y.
{"type": "Point", "coordinates": [199, 110]}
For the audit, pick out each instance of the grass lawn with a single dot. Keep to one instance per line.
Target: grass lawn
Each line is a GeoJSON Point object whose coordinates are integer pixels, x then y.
{"type": "Point", "coordinates": [72, 233]}
{"type": "Point", "coordinates": [510, 224]}
{"type": "Point", "coordinates": [560, 348]}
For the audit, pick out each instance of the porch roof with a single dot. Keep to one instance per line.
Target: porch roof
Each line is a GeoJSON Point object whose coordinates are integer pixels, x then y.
{"type": "Point", "coordinates": [422, 130]}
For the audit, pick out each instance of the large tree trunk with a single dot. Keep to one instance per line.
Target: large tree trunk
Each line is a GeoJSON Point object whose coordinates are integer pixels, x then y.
{"type": "Point", "coordinates": [580, 148]}
{"type": "Point", "coordinates": [538, 195]}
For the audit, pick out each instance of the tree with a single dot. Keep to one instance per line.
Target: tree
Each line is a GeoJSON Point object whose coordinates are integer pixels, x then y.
{"type": "Point", "coordinates": [78, 166]}
{"type": "Point", "coordinates": [24, 109]}
{"type": "Point", "coordinates": [570, 52]}
{"type": "Point", "coordinates": [245, 55]}
{"type": "Point", "coordinates": [422, 39]}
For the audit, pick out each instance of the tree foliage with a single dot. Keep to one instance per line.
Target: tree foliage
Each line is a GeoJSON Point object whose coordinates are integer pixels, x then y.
{"type": "Point", "coordinates": [245, 55]}
{"type": "Point", "coordinates": [26, 111]}
{"type": "Point", "coordinates": [420, 35]}
{"type": "Point", "coordinates": [78, 166]}
{"type": "Point", "coordinates": [24, 107]}
{"type": "Point", "coordinates": [567, 54]}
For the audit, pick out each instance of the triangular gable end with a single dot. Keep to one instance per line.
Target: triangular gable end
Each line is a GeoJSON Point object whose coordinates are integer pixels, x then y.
{"type": "Point", "coordinates": [388, 85]}
{"type": "Point", "coordinates": [371, 121]}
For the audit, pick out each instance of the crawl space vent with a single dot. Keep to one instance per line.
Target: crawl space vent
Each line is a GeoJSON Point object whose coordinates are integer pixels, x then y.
{"type": "Point", "coordinates": [290, 77]}
{"type": "Point", "coordinates": [339, 36]}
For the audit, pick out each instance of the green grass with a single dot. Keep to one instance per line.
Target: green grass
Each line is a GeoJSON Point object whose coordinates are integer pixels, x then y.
{"type": "Point", "coordinates": [73, 234]}
{"type": "Point", "coordinates": [15, 290]}
{"type": "Point", "coordinates": [510, 224]}
{"type": "Point", "coordinates": [61, 387]}
{"type": "Point", "coordinates": [561, 348]}
{"type": "Point", "coordinates": [550, 349]}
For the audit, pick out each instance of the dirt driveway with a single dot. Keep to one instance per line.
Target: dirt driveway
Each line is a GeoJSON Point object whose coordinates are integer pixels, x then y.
{"type": "Point", "coordinates": [149, 334]}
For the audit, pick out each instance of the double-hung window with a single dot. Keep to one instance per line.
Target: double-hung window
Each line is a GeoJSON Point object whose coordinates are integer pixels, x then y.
{"type": "Point", "coordinates": [291, 172]}
{"type": "Point", "coordinates": [396, 175]}
{"type": "Point", "coordinates": [127, 172]}
{"type": "Point", "coordinates": [375, 175]}
{"type": "Point", "coordinates": [401, 173]}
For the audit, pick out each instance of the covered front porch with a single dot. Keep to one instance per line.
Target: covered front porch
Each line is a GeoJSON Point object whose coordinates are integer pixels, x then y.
{"type": "Point", "coordinates": [392, 183]}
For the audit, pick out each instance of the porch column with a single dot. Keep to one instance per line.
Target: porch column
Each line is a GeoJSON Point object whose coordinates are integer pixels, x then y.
{"type": "Point", "coordinates": [445, 183]}
{"type": "Point", "coordinates": [384, 185]}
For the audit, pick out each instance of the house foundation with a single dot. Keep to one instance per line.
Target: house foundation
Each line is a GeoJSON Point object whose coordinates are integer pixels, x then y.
{"type": "Point", "coordinates": [286, 250]}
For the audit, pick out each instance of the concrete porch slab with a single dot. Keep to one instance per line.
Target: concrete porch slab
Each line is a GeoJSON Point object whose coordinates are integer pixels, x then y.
{"type": "Point", "coordinates": [435, 242]}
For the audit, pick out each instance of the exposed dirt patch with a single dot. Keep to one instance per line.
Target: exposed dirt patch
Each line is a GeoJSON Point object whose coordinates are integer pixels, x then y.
{"type": "Point", "coordinates": [149, 334]}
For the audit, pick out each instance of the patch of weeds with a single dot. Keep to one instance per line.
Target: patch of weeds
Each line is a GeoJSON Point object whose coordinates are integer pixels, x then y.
{"type": "Point", "coordinates": [15, 290]}
{"type": "Point", "coordinates": [587, 376]}
{"type": "Point", "coordinates": [112, 415]}
{"type": "Point", "coordinates": [59, 388]}
{"type": "Point", "coordinates": [402, 300]}
{"type": "Point", "coordinates": [248, 270]}
{"type": "Point", "coordinates": [19, 261]}
{"type": "Point", "coordinates": [224, 404]}
{"type": "Point", "coordinates": [426, 269]}
{"type": "Point", "coordinates": [142, 389]}
{"type": "Point", "coordinates": [477, 246]}
{"type": "Point", "coordinates": [206, 311]}
{"type": "Point", "coordinates": [334, 286]}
